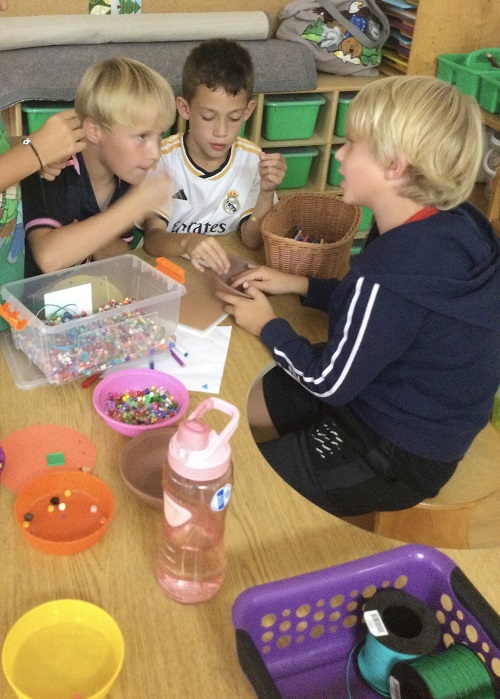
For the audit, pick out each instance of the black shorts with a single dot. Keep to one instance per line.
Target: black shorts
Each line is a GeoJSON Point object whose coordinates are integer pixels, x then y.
{"type": "Point", "coordinates": [332, 458]}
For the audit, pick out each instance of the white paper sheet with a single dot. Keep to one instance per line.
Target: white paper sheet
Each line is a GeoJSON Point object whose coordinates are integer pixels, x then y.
{"type": "Point", "coordinates": [203, 367]}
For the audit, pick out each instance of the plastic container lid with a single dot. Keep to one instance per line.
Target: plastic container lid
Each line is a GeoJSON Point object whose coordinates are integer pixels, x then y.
{"type": "Point", "coordinates": [43, 106]}
{"type": "Point", "coordinates": [346, 97]}
{"type": "Point", "coordinates": [298, 151]}
{"type": "Point", "coordinates": [39, 449]}
{"type": "Point", "coordinates": [198, 452]}
{"type": "Point", "coordinates": [293, 100]}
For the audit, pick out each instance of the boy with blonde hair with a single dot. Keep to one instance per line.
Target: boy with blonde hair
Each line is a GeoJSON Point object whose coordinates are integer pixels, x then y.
{"type": "Point", "coordinates": [90, 210]}
{"type": "Point", "coordinates": [222, 182]}
{"type": "Point", "coordinates": [379, 418]}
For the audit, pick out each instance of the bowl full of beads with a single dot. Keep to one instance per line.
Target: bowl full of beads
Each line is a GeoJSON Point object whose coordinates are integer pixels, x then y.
{"type": "Point", "coordinates": [133, 401]}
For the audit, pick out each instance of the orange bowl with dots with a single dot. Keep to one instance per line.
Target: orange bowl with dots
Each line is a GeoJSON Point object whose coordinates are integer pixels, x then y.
{"type": "Point", "coordinates": [64, 512]}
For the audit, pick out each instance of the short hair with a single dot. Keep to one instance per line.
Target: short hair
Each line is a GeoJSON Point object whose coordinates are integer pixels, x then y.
{"type": "Point", "coordinates": [118, 90]}
{"type": "Point", "coordinates": [436, 128]}
{"type": "Point", "coordinates": [218, 63]}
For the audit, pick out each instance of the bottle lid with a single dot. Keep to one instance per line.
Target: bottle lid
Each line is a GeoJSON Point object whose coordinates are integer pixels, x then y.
{"type": "Point", "coordinates": [198, 452]}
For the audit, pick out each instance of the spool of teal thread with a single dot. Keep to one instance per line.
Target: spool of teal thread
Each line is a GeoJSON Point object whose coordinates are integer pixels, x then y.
{"type": "Point", "coordinates": [375, 663]}
{"type": "Point", "coordinates": [405, 629]}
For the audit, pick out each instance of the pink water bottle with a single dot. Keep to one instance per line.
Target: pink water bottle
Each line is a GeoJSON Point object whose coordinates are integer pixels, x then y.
{"type": "Point", "coordinates": [197, 483]}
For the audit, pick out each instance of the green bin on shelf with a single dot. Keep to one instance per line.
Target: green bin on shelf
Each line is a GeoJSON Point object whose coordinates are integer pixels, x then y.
{"type": "Point", "coordinates": [298, 161]}
{"type": "Point", "coordinates": [37, 113]}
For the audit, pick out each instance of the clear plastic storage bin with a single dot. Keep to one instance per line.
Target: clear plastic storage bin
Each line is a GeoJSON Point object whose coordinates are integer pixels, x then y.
{"type": "Point", "coordinates": [135, 311]}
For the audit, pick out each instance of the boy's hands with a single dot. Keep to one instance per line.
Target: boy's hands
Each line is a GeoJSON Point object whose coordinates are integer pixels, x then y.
{"type": "Point", "coordinates": [204, 251]}
{"type": "Point", "coordinates": [250, 314]}
{"type": "Point", "coordinates": [57, 140]}
{"type": "Point", "coordinates": [270, 281]}
{"type": "Point", "coordinates": [272, 168]}
{"type": "Point", "coordinates": [150, 194]}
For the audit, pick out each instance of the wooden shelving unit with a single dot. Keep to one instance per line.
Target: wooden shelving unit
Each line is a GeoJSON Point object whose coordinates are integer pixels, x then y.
{"type": "Point", "coordinates": [447, 26]}
{"type": "Point", "coordinates": [330, 87]}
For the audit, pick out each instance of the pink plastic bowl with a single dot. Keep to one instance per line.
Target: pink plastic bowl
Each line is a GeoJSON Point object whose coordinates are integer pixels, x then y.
{"type": "Point", "coordinates": [134, 380]}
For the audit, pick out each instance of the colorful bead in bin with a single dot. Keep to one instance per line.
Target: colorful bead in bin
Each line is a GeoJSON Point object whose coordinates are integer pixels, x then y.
{"type": "Point", "coordinates": [142, 407]}
{"type": "Point", "coordinates": [2, 460]}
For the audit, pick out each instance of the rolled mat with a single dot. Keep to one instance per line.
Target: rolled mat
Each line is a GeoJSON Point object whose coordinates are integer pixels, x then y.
{"type": "Point", "coordinates": [60, 30]}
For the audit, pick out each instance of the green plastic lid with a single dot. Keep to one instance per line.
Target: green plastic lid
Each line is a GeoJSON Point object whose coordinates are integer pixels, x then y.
{"type": "Point", "coordinates": [292, 100]}
{"type": "Point", "coordinates": [296, 151]}
{"type": "Point", "coordinates": [41, 106]}
{"type": "Point", "coordinates": [346, 97]}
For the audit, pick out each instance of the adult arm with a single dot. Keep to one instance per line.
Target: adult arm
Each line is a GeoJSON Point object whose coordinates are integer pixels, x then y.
{"type": "Point", "coordinates": [55, 141]}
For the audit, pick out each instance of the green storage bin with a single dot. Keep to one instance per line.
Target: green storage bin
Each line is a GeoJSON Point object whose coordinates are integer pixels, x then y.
{"type": "Point", "coordinates": [290, 117]}
{"type": "Point", "coordinates": [334, 177]}
{"type": "Point", "coordinates": [345, 99]}
{"type": "Point", "coordinates": [466, 70]}
{"type": "Point", "coordinates": [37, 113]}
{"type": "Point", "coordinates": [298, 161]}
{"type": "Point", "coordinates": [366, 219]}
{"type": "Point", "coordinates": [489, 92]}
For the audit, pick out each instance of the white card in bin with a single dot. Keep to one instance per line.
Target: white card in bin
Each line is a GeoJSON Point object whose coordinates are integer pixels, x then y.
{"type": "Point", "coordinates": [75, 299]}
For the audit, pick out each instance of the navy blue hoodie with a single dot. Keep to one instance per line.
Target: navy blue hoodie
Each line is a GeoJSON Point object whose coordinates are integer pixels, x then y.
{"type": "Point", "coordinates": [414, 334]}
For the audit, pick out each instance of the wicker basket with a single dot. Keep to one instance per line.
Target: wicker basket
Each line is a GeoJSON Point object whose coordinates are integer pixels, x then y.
{"type": "Point", "coordinates": [322, 216]}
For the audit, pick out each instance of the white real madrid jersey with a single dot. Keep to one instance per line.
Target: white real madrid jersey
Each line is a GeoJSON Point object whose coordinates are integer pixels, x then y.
{"type": "Point", "coordinates": [209, 203]}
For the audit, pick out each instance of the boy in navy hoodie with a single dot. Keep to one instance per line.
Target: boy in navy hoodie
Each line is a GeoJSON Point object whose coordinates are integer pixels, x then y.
{"type": "Point", "coordinates": [379, 418]}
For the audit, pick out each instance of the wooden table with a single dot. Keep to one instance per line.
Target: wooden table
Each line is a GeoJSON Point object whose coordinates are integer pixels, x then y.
{"type": "Point", "coordinates": [171, 650]}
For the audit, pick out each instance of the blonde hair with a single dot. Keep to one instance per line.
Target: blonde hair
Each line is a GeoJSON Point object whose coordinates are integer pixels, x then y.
{"type": "Point", "coordinates": [119, 90]}
{"type": "Point", "coordinates": [428, 122]}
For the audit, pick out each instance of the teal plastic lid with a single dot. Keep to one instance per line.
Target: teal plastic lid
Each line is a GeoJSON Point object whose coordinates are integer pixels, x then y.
{"type": "Point", "coordinates": [292, 100]}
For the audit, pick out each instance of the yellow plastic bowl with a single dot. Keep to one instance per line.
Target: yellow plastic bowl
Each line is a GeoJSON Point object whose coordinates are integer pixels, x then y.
{"type": "Point", "coordinates": [65, 649]}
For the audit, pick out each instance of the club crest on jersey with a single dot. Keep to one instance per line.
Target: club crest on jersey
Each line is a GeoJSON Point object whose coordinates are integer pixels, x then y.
{"type": "Point", "coordinates": [231, 202]}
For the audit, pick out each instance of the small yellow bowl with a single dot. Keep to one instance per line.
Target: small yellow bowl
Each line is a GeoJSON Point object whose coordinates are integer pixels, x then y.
{"type": "Point", "coordinates": [63, 649]}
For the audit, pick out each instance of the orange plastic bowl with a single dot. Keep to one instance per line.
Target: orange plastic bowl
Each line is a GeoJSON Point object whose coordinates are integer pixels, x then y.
{"type": "Point", "coordinates": [64, 512]}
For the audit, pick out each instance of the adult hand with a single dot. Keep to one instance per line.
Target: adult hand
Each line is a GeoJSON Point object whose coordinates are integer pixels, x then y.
{"type": "Point", "coordinates": [270, 281]}
{"type": "Point", "coordinates": [272, 168]}
{"type": "Point", "coordinates": [50, 172]}
{"type": "Point", "coordinates": [59, 138]}
{"type": "Point", "coordinates": [250, 314]}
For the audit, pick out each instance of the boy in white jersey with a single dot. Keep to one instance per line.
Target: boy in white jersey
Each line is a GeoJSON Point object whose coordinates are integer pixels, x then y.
{"type": "Point", "coordinates": [221, 182]}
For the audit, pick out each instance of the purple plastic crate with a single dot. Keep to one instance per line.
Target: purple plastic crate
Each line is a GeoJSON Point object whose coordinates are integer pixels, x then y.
{"type": "Point", "coordinates": [294, 636]}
